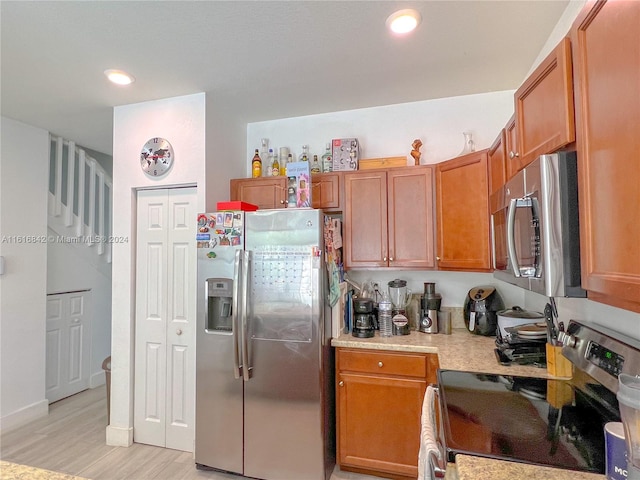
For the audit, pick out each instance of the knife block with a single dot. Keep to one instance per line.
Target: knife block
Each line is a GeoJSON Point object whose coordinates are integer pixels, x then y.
{"type": "Point", "coordinates": [557, 364]}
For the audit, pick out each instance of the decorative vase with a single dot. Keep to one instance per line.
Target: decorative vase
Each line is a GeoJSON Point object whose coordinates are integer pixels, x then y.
{"type": "Point", "coordinates": [469, 146]}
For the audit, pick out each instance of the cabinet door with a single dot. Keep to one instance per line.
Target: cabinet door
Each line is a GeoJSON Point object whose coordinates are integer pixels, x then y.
{"type": "Point", "coordinates": [544, 106]}
{"type": "Point", "coordinates": [325, 191]}
{"type": "Point", "coordinates": [365, 219]}
{"type": "Point", "coordinates": [411, 222]}
{"type": "Point", "coordinates": [379, 422]}
{"type": "Point", "coordinates": [512, 153]}
{"type": "Point", "coordinates": [263, 192]}
{"type": "Point", "coordinates": [606, 41]}
{"type": "Point", "coordinates": [497, 162]}
{"type": "Point", "coordinates": [463, 213]}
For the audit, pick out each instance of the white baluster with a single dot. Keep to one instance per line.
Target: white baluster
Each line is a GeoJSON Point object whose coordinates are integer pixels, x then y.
{"type": "Point", "coordinates": [81, 180]}
{"type": "Point", "coordinates": [100, 219]}
{"type": "Point", "coordinates": [57, 193]}
{"type": "Point", "coordinates": [92, 200]}
{"type": "Point", "coordinates": [71, 162]}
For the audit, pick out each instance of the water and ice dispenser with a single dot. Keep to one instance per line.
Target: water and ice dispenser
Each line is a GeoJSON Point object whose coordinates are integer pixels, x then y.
{"type": "Point", "coordinates": [219, 295]}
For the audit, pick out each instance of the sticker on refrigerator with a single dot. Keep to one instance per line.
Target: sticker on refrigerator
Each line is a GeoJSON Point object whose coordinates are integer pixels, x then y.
{"type": "Point", "coordinates": [202, 236]}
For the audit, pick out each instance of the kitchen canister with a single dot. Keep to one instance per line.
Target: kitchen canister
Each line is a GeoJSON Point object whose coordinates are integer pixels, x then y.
{"type": "Point", "coordinates": [385, 320]}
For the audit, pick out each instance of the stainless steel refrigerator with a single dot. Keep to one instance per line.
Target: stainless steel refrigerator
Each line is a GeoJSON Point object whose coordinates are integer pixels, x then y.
{"type": "Point", "coordinates": [264, 379]}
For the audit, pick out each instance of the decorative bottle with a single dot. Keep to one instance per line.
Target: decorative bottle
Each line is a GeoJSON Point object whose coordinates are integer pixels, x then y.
{"type": "Point", "coordinates": [266, 171]}
{"type": "Point", "coordinates": [275, 166]}
{"type": "Point", "coordinates": [284, 153]}
{"type": "Point", "coordinates": [304, 156]}
{"type": "Point", "coordinates": [327, 159]}
{"type": "Point", "coordinates": [315, 165]}
{"type": "Point", "coordinates": [469, 146]}
{"type": "Point", "coordinates": [256, 165]}
{"type": "Point", "coordinates": [289, 160]}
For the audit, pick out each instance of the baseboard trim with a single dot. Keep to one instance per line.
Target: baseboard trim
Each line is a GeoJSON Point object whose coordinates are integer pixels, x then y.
{"type": "Point", "coordinates": [119, 436]}
{"type": "Point", "coordinates": [24, 415]}
{"type": "Point", "coordinates": [97, 379]}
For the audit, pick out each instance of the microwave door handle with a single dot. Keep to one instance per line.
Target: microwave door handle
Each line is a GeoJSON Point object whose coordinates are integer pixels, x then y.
{"type": "Point", "coordinates": [535, 210]}
{"type": "Point", "coordinates": [511, 240]}
{"type": "Point", "coordinates": [246, 370]}
{"type": "Point", "coordinates": [237, 366]}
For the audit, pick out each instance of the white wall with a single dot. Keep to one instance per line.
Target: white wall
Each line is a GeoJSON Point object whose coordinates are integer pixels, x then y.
{"type": "Point", "coordinates": [390, 130]}
{"type": "Point", "coordinates": [24, 183]}
{"type": "Point", "coordinates": [181, 120]}
{"type": "Point", "coordinates": [69, 268]}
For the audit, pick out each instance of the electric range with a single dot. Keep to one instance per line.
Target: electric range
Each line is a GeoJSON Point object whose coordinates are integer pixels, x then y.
{"type": "Point", "coordinates": [549, 422]}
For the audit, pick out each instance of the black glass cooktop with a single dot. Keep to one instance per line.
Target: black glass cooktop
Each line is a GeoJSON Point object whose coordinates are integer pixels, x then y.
{"type": "Point", "coordinates": [524, 419]}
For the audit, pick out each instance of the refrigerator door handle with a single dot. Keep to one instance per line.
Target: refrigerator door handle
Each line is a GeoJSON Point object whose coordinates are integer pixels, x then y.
{"type": "Point", "coordinates": [246, 370]}
{"type": "Point", "coordinates": [237, 366]}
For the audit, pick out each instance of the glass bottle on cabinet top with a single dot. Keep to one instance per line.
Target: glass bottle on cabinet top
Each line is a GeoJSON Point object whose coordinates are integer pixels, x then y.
{"type": "Point", "coordinates": [304, 156]}
{"type": "Point", "coordinates": [256, 165]}
{"type": "Point", "coordinates": [327, 160]}
{"type": "Point", "coordinates": [275, 166]}
{"type": "Point", "coordinates": [315, 165]}
{"type": "Point", "coordinates": [469, 146]}
{"type": "Point", "coordinates": [267, 171]}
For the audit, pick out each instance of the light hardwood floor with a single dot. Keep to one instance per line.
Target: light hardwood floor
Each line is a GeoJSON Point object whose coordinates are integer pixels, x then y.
{"type": "Point", "coordinates": [71, 440]}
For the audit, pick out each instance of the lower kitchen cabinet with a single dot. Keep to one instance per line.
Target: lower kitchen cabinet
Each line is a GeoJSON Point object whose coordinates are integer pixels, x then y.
{"type": "Point", "coordinates": [267, 192]}
{"type": "Point", "coordinates": [463, 213]}
{"type": "Point", "coordinates": [379, 403]}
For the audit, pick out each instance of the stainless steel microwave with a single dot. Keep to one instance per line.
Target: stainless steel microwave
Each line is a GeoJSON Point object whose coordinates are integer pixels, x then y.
{"type": "Point", "coordinates": [535, 228]}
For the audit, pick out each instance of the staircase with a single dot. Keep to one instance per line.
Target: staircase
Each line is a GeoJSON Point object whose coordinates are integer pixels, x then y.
{"type": "Point", "coordinates": [80, 203]}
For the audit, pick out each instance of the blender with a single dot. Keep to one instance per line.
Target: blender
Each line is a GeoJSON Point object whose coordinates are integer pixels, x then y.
{"type": "Point", "coordinates": [629, 401]}
{"type": "Point", "coordinates": [430, 305]}
{"type": "Point", "coordinates": [400, 297]}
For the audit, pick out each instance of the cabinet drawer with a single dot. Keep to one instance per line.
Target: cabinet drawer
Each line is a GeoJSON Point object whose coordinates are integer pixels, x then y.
{"type": "Point", "coordinates": [384, 363]}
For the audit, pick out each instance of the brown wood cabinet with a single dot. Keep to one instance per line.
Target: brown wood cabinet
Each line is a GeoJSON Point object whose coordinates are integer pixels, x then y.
{"type": "Point", "coordinates": [379, 403]}
{"type": "Point", "coordinates": [497, 162]}
{"type": "Point", "coordinates": [388, 219]}
{"type": "Point", "coordinates": [463, 213]}
{"type": "Point", "coordinates": [544, 108]}
{"type": "Point", "coordinates": [327, 191]}
{"type": "Point", "coordinates": [606, 43]}
{"type": "Point", "coordinates": [512, 153]}
{"type": "Point", "coordinates": [267, 192]}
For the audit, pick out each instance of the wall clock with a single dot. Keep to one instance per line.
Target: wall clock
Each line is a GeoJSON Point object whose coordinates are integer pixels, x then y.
{"type": "Point", "coordinates": [156, 157]}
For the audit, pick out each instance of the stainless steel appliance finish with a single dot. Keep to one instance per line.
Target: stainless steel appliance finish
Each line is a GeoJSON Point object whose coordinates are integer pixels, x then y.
{"type": "Point", "coordinates": [550, 422]}
{"type": "Point", "coordinates": [264, 381]}
{"type": "Point", "coordinates": [535, 228]}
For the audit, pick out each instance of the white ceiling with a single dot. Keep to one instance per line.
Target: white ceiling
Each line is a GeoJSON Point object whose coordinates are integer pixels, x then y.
{"type": "Point", "coordinates": [260, 60]}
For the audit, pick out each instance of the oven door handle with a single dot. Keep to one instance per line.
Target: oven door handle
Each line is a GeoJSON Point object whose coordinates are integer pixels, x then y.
{"type": "Point", "coordinates": [437, 467]}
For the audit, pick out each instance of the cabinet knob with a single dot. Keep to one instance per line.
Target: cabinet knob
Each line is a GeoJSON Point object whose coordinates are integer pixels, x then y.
{"type": "Point", "coordinates": [513, 154]}
{"type": "Point", "coordinates": [438, 258]}
{"type": "Point", "coordinates": [391, 259]}
{"type": "Point", "coordinates": [178, 332]}
{"type": "Point", "coordinates": [384, 259]}
{"type": "Point", "coordinates": [341, 383]}
{"type": "Point", "coordinates": [380, 364]}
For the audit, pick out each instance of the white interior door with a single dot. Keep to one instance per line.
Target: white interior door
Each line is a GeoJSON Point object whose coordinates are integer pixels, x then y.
{"type": "Point", "coordinates": [164, 403]}
{"type": "Point", "coordinates": [68, 344]}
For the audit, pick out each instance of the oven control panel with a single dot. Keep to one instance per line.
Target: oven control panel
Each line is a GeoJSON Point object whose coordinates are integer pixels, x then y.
{"type": "Point", "coordinates": [606, 359]}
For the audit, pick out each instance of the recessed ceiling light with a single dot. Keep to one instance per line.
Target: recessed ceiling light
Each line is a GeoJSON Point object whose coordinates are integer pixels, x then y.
{"type": "Point", "coordinates": [119, 76]}
{"type": "Point", "coordinates": [403, 21]}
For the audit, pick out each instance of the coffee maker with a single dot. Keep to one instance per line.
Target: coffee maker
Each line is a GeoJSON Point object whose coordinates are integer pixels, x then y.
{"type": "Point", "coordinates": [364, 324]}
{"type": "Point", "coordinates": [429, 307]}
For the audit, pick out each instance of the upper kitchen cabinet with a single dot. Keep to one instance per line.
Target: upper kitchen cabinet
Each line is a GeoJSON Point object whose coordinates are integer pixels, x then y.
{"type": "Point", "coordinates": [606, 43]}
{"type": "Point", "coordinates": [544, 109]}
{"type": "Point", "coordinates": [327, 191]}
{"type": "Point", "coordinates": [497, 162]}
{"type": "Point", "coordinates": [463, 213]}
{"type": "Point", "coordinates": [388, 220]}
{"type": "Point", "coordinates": [268, 192]}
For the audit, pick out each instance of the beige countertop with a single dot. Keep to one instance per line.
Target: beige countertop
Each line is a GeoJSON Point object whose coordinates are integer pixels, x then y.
{"type": "Point", "coordinates": [459, 351]}
{"type": "Point", "coordinates": [464, 351]}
